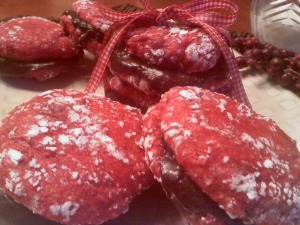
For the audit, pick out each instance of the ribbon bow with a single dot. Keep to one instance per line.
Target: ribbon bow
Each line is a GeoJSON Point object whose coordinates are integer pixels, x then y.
{"type": "Point", "coordinates": [208, 14]}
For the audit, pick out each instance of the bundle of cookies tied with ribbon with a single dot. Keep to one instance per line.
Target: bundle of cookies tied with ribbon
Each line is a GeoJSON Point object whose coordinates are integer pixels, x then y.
{"type": "Point", "coordinates": [175, 113]}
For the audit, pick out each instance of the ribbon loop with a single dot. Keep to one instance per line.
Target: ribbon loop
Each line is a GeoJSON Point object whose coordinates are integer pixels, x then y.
{"type": "Point", "coordinates": [216, 13]}
{"type": "Point", "coordinates": [173, 12]}
{"type": "Point", "coordinates": [200, 9]}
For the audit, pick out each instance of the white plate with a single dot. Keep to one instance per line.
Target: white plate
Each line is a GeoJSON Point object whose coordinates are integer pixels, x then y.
{"type": "Point", "coordinates": [273, 101]}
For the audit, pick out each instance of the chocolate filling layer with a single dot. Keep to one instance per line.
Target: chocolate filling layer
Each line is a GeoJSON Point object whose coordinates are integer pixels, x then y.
{"type": "Point", "coordinates": [187, 196]}
{"type": "Point", "coordinates": [124, 66]}
{"type": "Point", "coordinates": [76, 65]}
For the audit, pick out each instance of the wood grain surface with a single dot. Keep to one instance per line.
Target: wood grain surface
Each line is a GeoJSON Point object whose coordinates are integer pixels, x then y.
{"type": "Point", "coordinates": [54, 8]}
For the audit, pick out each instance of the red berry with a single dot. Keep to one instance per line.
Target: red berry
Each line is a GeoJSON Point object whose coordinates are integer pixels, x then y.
{"type": "Point", "coordinates": [241, 62]}
{"type": "Point", "coordinates": [260, 64]}
{"type": "Point", "coordinates": [286, 54]}
{"type": "Point", "coordinates": [237, 42]}
{"type": "Point", "coordinates": [276, 53]}
{"type": "Point", "coordinates": [266, 53]}
{"type": "Point", "coordinates": [248, 43]}
{"type": "Point", "coordinates": [292, 64]}
{"type": "Point", "coordinates": [248, 54]}
{"type": "Point", "coordinates": [276, 64]}
{"type": "Point", "coordinates": [256, 53]}
{"type": "Point", "coordinates": [254, 40]}
{"type": "Point", "coordinates": [251, 62]}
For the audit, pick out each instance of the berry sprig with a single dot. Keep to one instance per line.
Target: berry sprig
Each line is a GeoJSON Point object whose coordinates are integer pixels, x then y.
{"type": "Point", "coordinates": [281, 65]}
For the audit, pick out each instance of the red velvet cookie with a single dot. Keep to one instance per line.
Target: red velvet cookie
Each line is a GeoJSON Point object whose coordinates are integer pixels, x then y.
{"type": "Point", "coordinates": [220, 162]}
{"type": "Point", "coordinates": [73, 157]}
{"type": "Point", "coordinates": [178, 48]}
{"type": "Point", "coordinates": [89, 12]}
{"type": "Point", "coordinates": [85, 23]}
{"type": "Point", "coordinates": [151, 81]}
{"type": "Point", "coordinates": [35, 47]}
{"type": "Point", "coordinates": [155, 58]}
{"type": "Point", "coordinates": [32, 38]}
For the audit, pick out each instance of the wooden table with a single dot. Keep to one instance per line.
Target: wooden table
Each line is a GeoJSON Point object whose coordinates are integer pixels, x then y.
{"type": "Point", "coordinates": [54, 8]}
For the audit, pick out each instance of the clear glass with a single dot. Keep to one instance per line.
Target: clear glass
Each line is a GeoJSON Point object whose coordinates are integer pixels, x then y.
{"type": "Point", "coordinates": [277, 22]}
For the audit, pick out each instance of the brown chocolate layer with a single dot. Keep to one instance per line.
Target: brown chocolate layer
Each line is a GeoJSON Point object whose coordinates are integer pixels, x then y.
{"type": "Point", "coordinates": [187, 196]}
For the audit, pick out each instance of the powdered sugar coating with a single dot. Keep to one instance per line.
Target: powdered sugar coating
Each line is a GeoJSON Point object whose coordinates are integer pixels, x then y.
{"type": "Point", "coordinates": [89, 12]}
{"type": "Point", "coordinates": [190, 50]}
{"type": "Point", "coordinates": [65, 156]}
{"type": "Point", "coordinates": [15, 156]}
{"type": "Point", "coordinates": [244, 161]}
{"type": "Point", "coordinates": [33, 39]}
{"type": "Point", "coordinates": [153, 140]}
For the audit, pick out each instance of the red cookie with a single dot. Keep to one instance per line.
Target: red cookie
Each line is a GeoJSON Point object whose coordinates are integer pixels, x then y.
{"type": "Point", "coordinates": [89, 12]}
{"type": "Point", "coordinates": [87, 24]}
{"type": "Point", "coordinates": [178, 48]}
{"type": "Point", "coordinates": [73, 157]}
{"type": "Point", "coordinates": [155, 58]}
{"type": "Point", "coordinates": [35, 47]}
{"type": "Point", "coordinates": [210, 152]}
{"type": "Point", "coordinates": [136, 75]}
{"type": "Point", "coordinates": [151, 79]}
{"type": "Point", "coordinates": [32, 38]}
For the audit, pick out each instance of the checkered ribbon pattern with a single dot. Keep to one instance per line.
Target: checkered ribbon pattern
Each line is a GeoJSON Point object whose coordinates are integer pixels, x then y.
{"type": "Point", "coordinates": [211, 15]}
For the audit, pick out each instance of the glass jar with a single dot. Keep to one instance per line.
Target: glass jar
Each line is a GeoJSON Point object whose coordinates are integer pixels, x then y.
{"type": "Point", "coordinates": [277, 22]}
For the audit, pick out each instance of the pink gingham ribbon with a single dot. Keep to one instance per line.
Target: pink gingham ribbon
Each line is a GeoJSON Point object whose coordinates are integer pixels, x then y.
{"type": "Point", "coordinates": [200, 13]}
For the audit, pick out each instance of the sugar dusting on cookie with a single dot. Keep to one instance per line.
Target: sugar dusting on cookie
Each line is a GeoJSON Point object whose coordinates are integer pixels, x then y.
{"type": "Point", "coordinates": [70, 156]}
{"type": "Point", "coordinates": [241, 159]}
